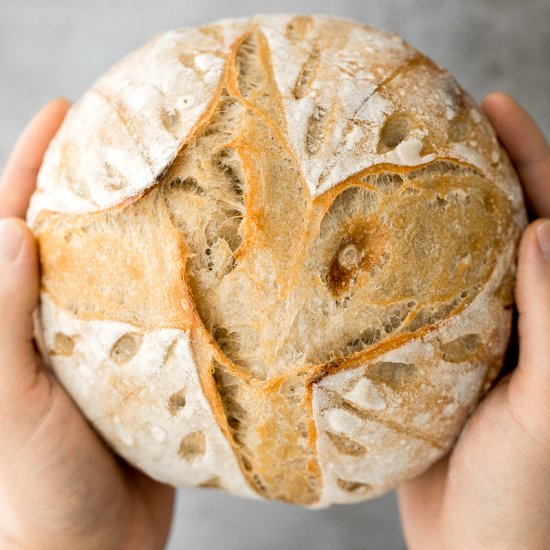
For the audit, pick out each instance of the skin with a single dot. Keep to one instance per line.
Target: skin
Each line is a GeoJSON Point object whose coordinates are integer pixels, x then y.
{"type": "Point", "coordinates": [63, 488]}
{"type": "Point", "coordinates": [493, 489]}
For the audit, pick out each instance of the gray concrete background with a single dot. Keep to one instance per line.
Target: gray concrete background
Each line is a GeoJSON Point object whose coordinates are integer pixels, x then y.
{"type": "Point", "coordinates": [59, 47]}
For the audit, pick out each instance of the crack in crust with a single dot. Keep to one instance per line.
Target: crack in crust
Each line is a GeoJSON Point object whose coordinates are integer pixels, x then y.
{"type": "Point", "coordinates": [386, 421]}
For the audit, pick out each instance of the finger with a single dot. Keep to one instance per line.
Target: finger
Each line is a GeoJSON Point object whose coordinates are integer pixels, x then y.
{"type": "Point", "coordinates": [526, 145]}
{"type": "Point", "coordinates": [18, 299]}
{"type": "Point", "coordinates": [19, 178]}
{"type": "Point", "coordinates": [531, 380]}
{"type": "Point", "coordinates": [420, 498]}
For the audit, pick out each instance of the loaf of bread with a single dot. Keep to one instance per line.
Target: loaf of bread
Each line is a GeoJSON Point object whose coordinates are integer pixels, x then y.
{"type": "Point", "coordinates": [277, 258]}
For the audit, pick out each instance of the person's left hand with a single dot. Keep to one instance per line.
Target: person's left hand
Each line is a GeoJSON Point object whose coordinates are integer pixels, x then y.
{"type": "Point", "coordinates": [60, 486]}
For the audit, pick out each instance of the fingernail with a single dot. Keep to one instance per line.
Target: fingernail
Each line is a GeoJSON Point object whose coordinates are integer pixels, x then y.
{"type": "Point", "coordinates": [11, 237]}
{"type": "Point", "coordinates": [543, 236]}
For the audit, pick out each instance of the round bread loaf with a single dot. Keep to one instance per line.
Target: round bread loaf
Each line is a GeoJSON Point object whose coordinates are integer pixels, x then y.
{"type": "Point", "coordinates": [277, 258]}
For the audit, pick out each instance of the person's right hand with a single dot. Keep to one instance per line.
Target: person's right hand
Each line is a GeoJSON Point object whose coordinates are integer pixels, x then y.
{"type": "Point", "coordinates": [493, 490]}
{"type": "Point", "coordinates": [61, 488]}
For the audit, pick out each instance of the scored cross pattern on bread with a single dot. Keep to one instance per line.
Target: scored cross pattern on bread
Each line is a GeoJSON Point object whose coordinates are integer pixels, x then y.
{"type": "Point", "coordinates": [340, 264]}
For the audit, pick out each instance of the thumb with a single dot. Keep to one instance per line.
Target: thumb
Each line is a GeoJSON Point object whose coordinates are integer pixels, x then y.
{"type": "Point", "coordinates": [18, 298]}
{"type": "Point", "coordinates": [531, 380]}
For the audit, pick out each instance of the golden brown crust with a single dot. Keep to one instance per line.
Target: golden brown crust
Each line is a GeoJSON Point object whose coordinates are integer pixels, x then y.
{"type": "Point", "coordinates": [320, 289]}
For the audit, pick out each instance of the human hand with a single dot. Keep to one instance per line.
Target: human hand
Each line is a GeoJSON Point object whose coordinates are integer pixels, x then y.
{"type": "Point", "coordinates": [493, 489]}
{"type": "Point", "coordinates": [60, 486]}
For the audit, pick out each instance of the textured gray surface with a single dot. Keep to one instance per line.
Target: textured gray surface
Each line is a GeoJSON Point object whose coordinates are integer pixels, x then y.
{"type": "Point", "coordinates": [59, 47]}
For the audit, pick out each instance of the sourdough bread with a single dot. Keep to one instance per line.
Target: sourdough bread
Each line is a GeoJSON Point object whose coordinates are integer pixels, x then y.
{"type": "Point", "coordinates": [277, 258]}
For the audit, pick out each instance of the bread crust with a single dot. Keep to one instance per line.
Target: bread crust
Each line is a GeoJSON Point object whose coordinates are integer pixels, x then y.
{"type": "Point", "coordinates": [285, 362]}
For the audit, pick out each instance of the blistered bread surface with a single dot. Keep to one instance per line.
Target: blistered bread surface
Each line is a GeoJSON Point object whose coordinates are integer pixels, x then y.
{"type": "Point", "coordinates": [277, 258]}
